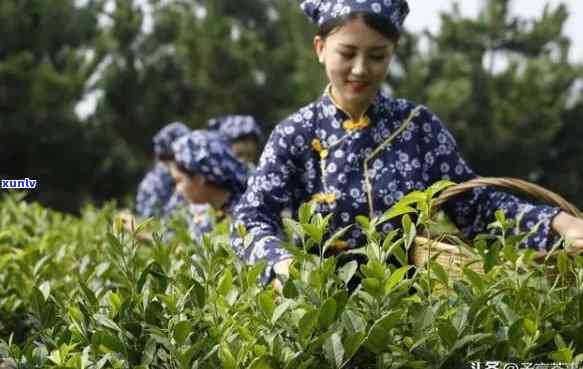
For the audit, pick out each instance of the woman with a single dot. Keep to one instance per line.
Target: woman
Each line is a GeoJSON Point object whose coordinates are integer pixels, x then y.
{"type": "Point", "coordinates": [243, 132]}
{"type": "Point", "coordinates": [156, 196]}
{"type": "Point", "coordinates": [319, 152]}
{"type": "Point", "coordinates": [207, 172]}
{"type": "Point", "coordinates": [155, 192]}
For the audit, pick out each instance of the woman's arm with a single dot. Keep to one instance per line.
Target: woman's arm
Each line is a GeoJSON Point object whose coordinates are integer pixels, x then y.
{"type": "Point", "coordinates": [474, 210]}
{"type": "Point", "coordinates": [270, 189]}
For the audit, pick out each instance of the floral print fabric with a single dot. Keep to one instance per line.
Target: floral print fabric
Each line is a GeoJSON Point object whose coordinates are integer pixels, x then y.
{"type": "Point", "coordinates": [321, 11]}
{"type": "Point", "coordinates": [154, 192]}
{"type": "Point", "coordinates": [318, 154]}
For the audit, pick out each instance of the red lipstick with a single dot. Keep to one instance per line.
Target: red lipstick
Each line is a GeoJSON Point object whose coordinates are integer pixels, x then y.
{"type": "Point", "coordinates": [358, 87]}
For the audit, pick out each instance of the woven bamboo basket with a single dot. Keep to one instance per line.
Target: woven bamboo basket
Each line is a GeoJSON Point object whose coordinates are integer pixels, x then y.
{"type": "Point", "coordinates": [452, 257]}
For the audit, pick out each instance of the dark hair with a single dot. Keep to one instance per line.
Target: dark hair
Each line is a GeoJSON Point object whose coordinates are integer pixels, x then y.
{"type": "Point", "coordinates": [183, 169]}
{"type": "Point", "coordinates": [249, 136]}
{"type": "Point", "coordinates": [190, 173]}
{"type": "Point", "coordinates": [379, 23]}
{"type": "Point", "coordinates": [165, 157]}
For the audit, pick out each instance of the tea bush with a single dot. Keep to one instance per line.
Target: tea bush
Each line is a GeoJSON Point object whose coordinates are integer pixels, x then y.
{"type": "Point", "coordinates": [84, 293]}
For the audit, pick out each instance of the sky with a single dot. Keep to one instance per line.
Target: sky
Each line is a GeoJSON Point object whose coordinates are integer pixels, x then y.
{"type": "Point", "coordinates": [425, 15]}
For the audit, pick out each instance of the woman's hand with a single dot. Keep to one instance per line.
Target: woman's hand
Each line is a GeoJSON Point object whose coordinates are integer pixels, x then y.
{"type": "Point", "coordinates": [129, 222]}
{"type": "Point", "coordinates": [126, 219]}
{"type": "Point", "coordinates": [571, 228]}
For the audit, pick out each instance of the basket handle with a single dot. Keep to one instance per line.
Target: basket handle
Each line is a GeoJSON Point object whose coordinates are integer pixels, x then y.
{"type": "Point", "coordinates": [520, 185]}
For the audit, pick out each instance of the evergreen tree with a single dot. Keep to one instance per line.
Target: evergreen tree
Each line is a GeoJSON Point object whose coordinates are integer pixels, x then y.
{"type": "Point", "coordinates": [501, 84]}
{"type": "Point", "coordinates": [47, 55]}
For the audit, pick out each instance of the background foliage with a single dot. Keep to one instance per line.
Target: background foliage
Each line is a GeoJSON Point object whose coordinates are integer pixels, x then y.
{"type": "Point", "coordinates": [77, 293]}
{"type": "Point", "coordinates": [503, 84]}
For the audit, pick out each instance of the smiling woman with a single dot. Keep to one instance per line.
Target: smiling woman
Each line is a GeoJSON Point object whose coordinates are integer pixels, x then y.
{"type": "Point", "coordinates": [357, 58]}
{"type": "Point", "coordinates": [356, 151]}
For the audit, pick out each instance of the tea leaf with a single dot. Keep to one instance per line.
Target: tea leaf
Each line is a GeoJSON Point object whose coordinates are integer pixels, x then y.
{"type": "Point", "coordinates": [39, 266]}
{"type": "Point", "coordinates": [563, 262]}
{"type": "Point", "coordinates": [475, 279]}
{"type": "Point", "coordinates": [395, 278]}
{"type": "Point", "coordinates": [396, 211]}
{"type": "Point", "coordinates": [89, 295]}
{"type": "Point", "coordinates": [45, 289]}
{"type": "Point", "coordinates": [440, 272]}
{"type": "Point", "coordinates": [409, 230]}
{"type": "Point", "coordinates": [294, 227]}
{"type": "Point", "coordinates": [266, 304]}
{"type": "Point", "coordinates": [110, 342]}
{"type": "Point", "coordinates": [280, 310]}
{"type": "Point", "coordinates": [372, 286]}
{"type": "Point", "coordinates": [353, 322]}
{"type": "Point", "coordinates": [199, 294]}
{"type": "Point", "coordinates": [352, 343]}
{"type": "Point", "coordinates": [447, 333]}
{"type": "Point", "coordinates": [308, 323]}
{"type": "Point", "coordinates": [347, 271]}
{"type": "Point", "coordinates": [562, 355]}
{"type": "Point", "coordinates": [334, 350]}
{"type": "Point", "coordinates": [106, 322]}
{"type": "Point", "coordinates": [530, 326]}
{"type": "Point", "coordinates": [305, 212]}
{"type": "Point", "coordinates": [254, 273]}
{"type": "Point", "coordinates": [379, 336]}
{"type": "Point", "coordinates": [227, 358]}
{"type": "Point", "coordinates": [260, 363]}
{"type": "Point", "coordinates": [289, 290]}
{"type": "Point", "coordinates": [225, 283]}
{"type": "Point", "coordinates": [413, 197]}
{"type": "Point", "coordinates": [115, 303]}
{"type": "Point", "coordinates": [327, 313]}
{"type": "Point", "coordinates": [473, 339]}
{"type": "Point", "coordinates": [315, 232]}
{"type": "Point", "coordinates": [181, 331]}
{"type": "Point", "coordinates": [438, 187]}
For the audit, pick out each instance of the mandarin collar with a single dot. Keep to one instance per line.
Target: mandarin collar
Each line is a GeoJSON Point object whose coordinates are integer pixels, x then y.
{"type": "Point", "coordinates": [329, 104]}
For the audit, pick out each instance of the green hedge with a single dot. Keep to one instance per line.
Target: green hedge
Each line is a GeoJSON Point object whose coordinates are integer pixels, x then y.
{"type": "Point", "coordinates": [79, 293]}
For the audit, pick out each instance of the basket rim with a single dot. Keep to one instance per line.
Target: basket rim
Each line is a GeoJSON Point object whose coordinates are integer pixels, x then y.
{"type": "Point", "coordinates": [536, 191]}
{"type": "Point", "coordinates": [429, 245]}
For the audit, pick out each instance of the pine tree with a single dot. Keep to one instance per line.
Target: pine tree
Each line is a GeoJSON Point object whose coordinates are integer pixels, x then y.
{"type": "Point", "coordinates": [47, 55]}
{"type": "Point", "coordinates": [501, 84]}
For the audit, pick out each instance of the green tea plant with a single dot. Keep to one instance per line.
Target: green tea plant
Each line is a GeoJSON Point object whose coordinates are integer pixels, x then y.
{"type": "Point", "coordinates": [82, 292]}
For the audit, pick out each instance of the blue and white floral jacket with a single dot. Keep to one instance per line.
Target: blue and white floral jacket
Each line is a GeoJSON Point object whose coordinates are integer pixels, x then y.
{"type": "Point", "coordinates": [319, 154]}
